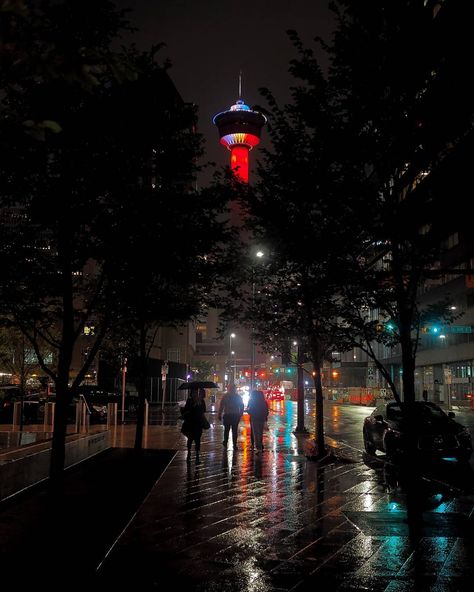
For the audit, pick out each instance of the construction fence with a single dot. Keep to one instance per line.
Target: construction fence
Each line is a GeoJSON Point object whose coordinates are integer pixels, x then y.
{"type": "Point", "coordinates": [357, 395]}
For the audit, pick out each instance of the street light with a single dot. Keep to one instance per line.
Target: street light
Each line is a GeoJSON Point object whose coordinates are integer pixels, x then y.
{"type": "Point", "coordinates": [259, 255]}
{"type": "Point", "coordinates": [231, 336]}
{"type": "Point", "coordinates": [124, 382]}
{"type": "Point", "coordinates": [233, 365]}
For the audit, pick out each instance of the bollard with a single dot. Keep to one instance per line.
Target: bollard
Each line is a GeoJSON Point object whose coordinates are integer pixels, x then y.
{"type": "Point", "coordinates": [145, 417]}
{"type": "Point", "coordinates": [49, 409]}
{"type": "Point", "coordinates": [85, 417]}
{"type": "Point", "coordinates": [17, 413]}
{"type": "Point", "coordinates": [79, 412]}
{"type": "Point", "coordinates": [111, 414]}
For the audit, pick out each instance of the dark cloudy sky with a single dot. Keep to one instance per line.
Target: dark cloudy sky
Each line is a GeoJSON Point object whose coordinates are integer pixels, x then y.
{"type": "Point", "coordinates": [209, 41]}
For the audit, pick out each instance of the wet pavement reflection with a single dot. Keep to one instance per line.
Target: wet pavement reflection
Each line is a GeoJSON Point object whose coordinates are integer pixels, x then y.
{"type": "Point", "coordinates": [278, 521]}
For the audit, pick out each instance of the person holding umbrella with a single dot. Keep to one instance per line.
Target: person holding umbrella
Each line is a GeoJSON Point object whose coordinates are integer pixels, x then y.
{"type": "Point", "coordinates": [194, 420]}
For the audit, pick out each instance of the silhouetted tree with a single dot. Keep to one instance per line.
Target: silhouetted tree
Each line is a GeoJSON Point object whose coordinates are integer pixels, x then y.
{"type": "Point", "coordinates": [96, 177]}
{"type": "Point", "coordinates": [59, 167]}
{"type": "Point", "coordinates": [303, 208]}
{"type": "Point", "coordinates": [392, 66]}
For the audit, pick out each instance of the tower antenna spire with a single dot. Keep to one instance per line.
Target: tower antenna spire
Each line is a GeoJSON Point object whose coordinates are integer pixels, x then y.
{"type": "Point", "coordinates": [240, 84]}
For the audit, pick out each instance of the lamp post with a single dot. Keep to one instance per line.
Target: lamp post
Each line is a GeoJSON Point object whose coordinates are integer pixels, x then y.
{"type": "Point", "coordinates": [233, 365]}
{"type": "Point", "coordinates": [259, 255]}
{"type": "Point", "coordinates": [231, 374]}
{"type": "Point", "coordinates": [300, 429]}
{"type": "Point", "coordinates": [124, 382]}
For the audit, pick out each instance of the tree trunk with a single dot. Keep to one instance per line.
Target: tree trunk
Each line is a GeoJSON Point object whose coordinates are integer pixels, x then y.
{"type": "Point", "coordinates": [300, 429]}
{"type": "Point", "coordinates": [319, 411]}
{"type": "Point", "coordinates": [63, 394]}
{"type": "Point", "coordinates": [409, 417]}
{"type": "Point", "coordinates": [317, 360]}
{"type": "Point", "coordinates": [58, 447]}
{"type": "Point", "coordinates": [408, 362]}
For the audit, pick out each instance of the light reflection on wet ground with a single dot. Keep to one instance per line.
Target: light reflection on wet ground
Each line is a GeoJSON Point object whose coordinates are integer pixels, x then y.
{"type": "Point", "coordinates": [275, 522]}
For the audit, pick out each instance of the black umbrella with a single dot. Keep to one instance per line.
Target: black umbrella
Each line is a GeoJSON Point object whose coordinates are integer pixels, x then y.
{"type": "Point", "coordinates": [196, 384]}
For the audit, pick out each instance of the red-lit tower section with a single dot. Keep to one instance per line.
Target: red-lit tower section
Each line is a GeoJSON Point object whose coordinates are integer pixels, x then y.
{"type": "Point", "coordinates": [239, 131]}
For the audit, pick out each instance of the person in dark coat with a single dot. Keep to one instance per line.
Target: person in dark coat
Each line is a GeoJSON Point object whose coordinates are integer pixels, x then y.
{"type": "Point", "coordinates": [231, 409]}
{"type": "Point", "coordinates": [193, 415]}
{"type": "Point", "coordinates": [258, 411]}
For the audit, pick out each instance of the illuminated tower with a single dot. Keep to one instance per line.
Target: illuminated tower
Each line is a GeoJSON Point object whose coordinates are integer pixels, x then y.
{"type": "Point", "coordinates": [239, 131]}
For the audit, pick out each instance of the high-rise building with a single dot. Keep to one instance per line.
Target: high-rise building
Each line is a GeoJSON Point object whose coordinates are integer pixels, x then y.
{"type": "Point", "coordinates": [432, 185]}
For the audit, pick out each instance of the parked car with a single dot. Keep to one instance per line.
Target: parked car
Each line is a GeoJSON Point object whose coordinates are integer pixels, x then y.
{"type": "Point", "coordinates": [31, 408]}
{"type": "Point", "coordinates": [96, 397]}
{"type": "Point", "coordinates": [34, 409]}
{"type": "Point", "coordinates": [9, 394]}
{"type": "Point", "coordinates": [438, 434]}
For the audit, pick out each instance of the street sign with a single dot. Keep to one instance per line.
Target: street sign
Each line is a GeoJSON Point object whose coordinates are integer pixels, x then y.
{"type": "Point", "coordinates": [460, 329]}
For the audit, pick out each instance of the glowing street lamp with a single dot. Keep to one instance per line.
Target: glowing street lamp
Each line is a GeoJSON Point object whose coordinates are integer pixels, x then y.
{"type": "Point", "coordinates": [259, 254]}
{"type": "Point", "coordinates": [231, 353]}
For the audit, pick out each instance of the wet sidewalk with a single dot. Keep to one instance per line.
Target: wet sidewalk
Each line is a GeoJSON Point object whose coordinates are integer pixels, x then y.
{"type": "Point", "coordinates": [277, 521]}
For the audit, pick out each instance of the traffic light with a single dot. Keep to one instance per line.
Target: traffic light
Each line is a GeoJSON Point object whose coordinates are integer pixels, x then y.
{"type": "Point", "coordinates": [432, 329]}
{"type": "Point", "coordinates": [389, 326]}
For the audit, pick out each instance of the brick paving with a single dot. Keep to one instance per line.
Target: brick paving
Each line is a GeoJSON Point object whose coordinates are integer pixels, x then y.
{"type": "Point", "coordinates": [280, 522]}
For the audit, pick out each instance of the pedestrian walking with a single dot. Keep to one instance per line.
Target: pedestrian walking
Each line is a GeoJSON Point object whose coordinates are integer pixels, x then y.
{"type": "Point", "coordinates": [258, 411]}
{"type": "Point", "coordinates": [425, 395]}
{"type": "Point", "coordinates": [194, 421]}
{"type": "Point", "coordinates": [231, 409]}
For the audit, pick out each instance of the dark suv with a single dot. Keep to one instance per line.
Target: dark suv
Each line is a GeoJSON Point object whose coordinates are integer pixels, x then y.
{"type": "Point", "coordinates": [438, 435]}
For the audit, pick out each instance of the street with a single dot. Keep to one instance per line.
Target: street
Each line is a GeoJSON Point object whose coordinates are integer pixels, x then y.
{"type": "Point", "coordinates": [343, 423]}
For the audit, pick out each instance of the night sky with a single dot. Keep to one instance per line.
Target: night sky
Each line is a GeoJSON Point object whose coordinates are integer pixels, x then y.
{"type": "Point", "coordinates": [209, 41]}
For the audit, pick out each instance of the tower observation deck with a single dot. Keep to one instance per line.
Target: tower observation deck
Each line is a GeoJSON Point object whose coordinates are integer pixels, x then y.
{"type": "Point", "coordinates": [239, 131]}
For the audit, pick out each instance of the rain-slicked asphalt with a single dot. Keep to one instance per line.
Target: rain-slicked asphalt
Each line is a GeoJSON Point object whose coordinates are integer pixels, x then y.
{"type": "Point", "coordinates": [278, 521]}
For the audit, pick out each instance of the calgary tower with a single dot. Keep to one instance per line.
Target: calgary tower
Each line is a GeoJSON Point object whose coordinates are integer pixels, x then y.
{"type": "Point", "coordinates": [239, 131]}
